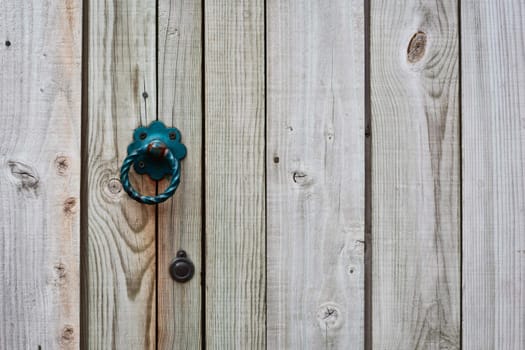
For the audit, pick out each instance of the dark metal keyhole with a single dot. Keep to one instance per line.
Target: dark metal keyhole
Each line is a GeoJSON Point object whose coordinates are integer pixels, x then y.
{"type": "Point", "coordinates": [182, 268]}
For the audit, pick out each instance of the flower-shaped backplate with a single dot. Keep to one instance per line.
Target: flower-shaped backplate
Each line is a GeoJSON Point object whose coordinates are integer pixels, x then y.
{"type": "Point", "coordinates": [156, 168]}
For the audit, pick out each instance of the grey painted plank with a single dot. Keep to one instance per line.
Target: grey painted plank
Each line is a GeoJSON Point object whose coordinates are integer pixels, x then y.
{"type": "Point", "coordinates": [315, 166]}
{"type": "Point", "coordinates": [180, 218]}
{"type": "Point", "coordinates": [415, 182]}
{"type": "Point", "coordinates": [493, 100]}
{"type": "Point", "coordinates": [40, 81]}
{"type": "Point", "coordinates": [119, 304]}
{"type": "Point", "coordinates": [234, 178]}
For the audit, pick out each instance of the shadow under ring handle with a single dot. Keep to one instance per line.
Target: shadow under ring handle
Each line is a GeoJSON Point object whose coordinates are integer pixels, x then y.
{"type": "Point", "coordinates": [160, 152]}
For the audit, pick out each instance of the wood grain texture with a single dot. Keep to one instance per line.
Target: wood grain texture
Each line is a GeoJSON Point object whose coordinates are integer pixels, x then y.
{"type": "Point", "coordinates": [315, 166]}
{"type": "Point", "coordinates": [493, 134]}
{"type": "Point", "coordinates": [415, 175]}
{"type": "Point", "coordinates": [235, 182]}
{"type": "Point", "coordinates": [40, 82]}
{"type": "Point", "coordinates": [180, 218]}
{"type": "Point", "coordinates": [120, 271]}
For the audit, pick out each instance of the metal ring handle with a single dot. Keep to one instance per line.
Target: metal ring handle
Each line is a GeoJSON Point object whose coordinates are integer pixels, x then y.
{"type": "Point", "coordinates": [170, 190]}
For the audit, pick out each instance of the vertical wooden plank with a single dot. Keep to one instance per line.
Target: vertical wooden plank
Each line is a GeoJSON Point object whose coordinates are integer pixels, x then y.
{"type": "Point", "coordinates": [315, 166]}
{"type": "Point", "coordinates": [493, 134]}
{"type": "Point", "coordinates": [234, 184]}
{"type": "Point", "coordinates": [40, 82]}
{"type": "Point", "coordinates": [120, 274]}
{"type": "Point", "coordinates": [415, 175]}
{"type": "Point", "coordinates": [180, 218]}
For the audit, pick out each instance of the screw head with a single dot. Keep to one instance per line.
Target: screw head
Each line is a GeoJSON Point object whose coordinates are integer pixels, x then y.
{"type": "Point", "coordinates": [141, 164]}
{"type": "Point", "coordinates": [173, 135]}
{"type": "Point", "coordinates": [143, 135]}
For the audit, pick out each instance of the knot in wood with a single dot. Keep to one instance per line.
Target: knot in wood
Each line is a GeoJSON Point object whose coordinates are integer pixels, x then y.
{"type": "Point", "coordinates": [416, 47]}
{"type": "Point", "coordinates": [301, 178]}
{"type": "Point", "coordinates": [68, 335]}
{"type": "Point", "coordinates": [26, 177]}
{"type": "Point", "coordinates": [70, 205]}
{"type": "Point", "coordinates": [114, 186]}
{"type": "Point", "coordinates": [62, 165]}
{"type": "Point", "coordinates": [329, 316]}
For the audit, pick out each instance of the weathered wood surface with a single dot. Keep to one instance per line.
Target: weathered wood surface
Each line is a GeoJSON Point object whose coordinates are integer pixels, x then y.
{"type": "Point", "coordinates": [415, 175]}
{"type": "Point", "coordinates": [315, 167]}
{"type": "Point", "coordinates": [119, 305]}
{"type": "Point", "coordinates": [314, 159]}
{"type": "Point", "coordinates": [493, 107]}
{"type": "Point", "coordinates": [180, 218]}
{"type": "Point", "coordinates": [40, 83]}
{"type": "Point", "coordinates": [234, 171]}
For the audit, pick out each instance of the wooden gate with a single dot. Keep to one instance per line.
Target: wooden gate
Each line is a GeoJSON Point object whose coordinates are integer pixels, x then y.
{"type": "Point", "coordinates": [354, 177]}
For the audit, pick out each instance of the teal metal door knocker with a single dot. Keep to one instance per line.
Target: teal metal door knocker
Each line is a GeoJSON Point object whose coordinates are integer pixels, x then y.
{"type": "Point", "coordinates": [155, 151]}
